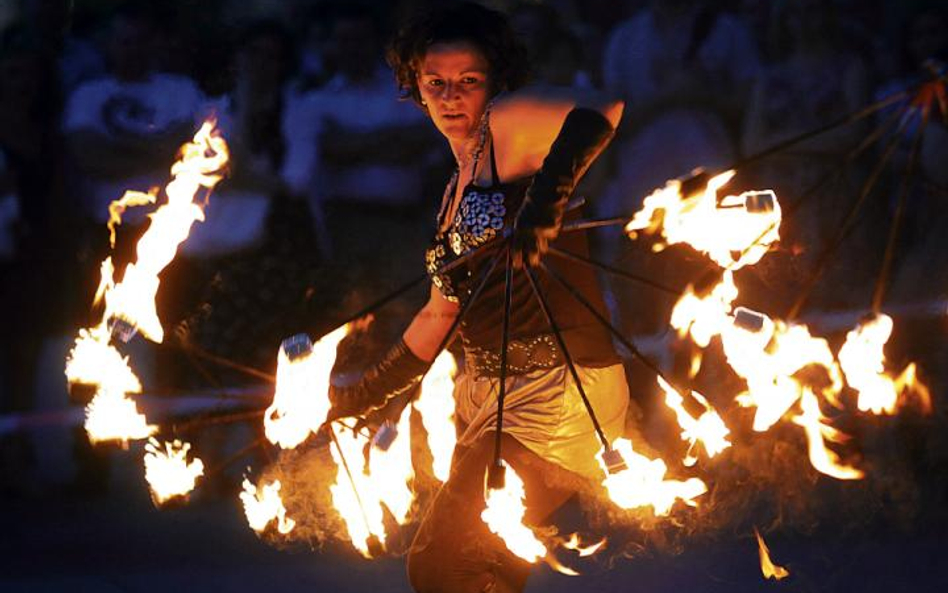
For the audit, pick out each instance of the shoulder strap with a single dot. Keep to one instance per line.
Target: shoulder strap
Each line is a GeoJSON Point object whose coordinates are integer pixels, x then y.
{"type": "Point", "coordinates": [494, 177]}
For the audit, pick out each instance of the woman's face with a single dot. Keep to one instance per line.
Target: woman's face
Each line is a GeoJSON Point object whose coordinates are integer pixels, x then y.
{"type": "Point", "coordinates": [454, 84]}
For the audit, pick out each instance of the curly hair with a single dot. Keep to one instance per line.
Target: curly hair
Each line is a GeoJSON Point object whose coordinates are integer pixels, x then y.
{"type": "Point", "coordinates": [486, 29]}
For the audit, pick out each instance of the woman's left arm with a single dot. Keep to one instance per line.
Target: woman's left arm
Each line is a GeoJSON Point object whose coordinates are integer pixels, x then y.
{"type": "Point", "coordinates": [524, 124]}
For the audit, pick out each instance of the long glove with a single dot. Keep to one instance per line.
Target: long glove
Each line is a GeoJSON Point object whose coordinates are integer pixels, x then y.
{"type": "Point", "coordinates": [398, 371]}
{"type": "Point", "coordinates": [585, 133]}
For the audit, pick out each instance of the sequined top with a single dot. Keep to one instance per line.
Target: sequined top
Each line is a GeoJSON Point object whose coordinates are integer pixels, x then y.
{"type": "Point", "coordinates": [484, 214]}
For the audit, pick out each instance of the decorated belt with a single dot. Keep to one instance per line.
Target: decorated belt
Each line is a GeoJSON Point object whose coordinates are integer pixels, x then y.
{"type": "Point", "coordinates": [523, 356]}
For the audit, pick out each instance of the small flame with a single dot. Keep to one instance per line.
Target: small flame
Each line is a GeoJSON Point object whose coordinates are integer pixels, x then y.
{"type": "Point", "coordinates": [301, 400]}
{"type": "Point", "coordinates": [863, 363]}
{"type": "Point", "coordinates": [130, 199]}
{"type": "Point", "coordinates": [168, 471]}
{"type": "Point", "coordinates": [644, 484]}
{"type": "Point", "coordinates": [262, 505]}
{"type": "Point", "coordinates": [734, 231]}
{"type": "Point", "coordinates": [767, 567]}
{"type": "Point", "coordinates": [504, 517]}
{"type": "Point", "coordinates": [705, 317]}
{"type": "Point", "coordinates": [823, 459]}
{"type": "Point", "coordinates": [575, 544]}
{"type": "Point", "coordinates": [708, 428]}
{"type": "Point", "coordinates": [436, 406]}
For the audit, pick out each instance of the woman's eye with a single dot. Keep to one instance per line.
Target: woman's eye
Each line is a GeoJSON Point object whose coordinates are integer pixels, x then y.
{"type": "Point", "coordinates": [435, 82]}
{"type": "Point", "coordinates": [470, 80]}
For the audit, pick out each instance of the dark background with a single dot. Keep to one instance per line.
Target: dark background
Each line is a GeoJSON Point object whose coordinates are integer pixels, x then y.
{"type": "Point", "coordinates": [329, 203]}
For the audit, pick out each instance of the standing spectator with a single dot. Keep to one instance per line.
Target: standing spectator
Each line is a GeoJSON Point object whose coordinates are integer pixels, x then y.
{"type": "Point", "coordinates": [816, 82]}
{"type": "Point", "coordinates": [684, 69]}
{"type": "Point", "coordinates": [123, 129]}
{"type": "Point", "coordinates": [361, 155]}
{"type": "Point", "coordinates": [32, 253]}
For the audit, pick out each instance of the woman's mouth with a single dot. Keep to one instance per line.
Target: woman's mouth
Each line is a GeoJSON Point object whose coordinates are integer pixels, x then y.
{"type": "Point", "coordinates": [454, 116]}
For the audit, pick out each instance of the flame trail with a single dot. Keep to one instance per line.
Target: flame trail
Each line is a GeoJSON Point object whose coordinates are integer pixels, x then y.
{"type": "Point", "coordinates": [130, 304]}
{"type": "Point", "coordinates": [708, 428]}
{"type": "Point", "coordinates": [353, 494]}
{"type": "Point", "coordinates": [734, 231]}
{"type": "Point", "coordinates": [436, 406]}
{"type": "Point", "coordinates": [391, 471]}
{"type": "Point", "coordinates": [767, 567]}
{"type": "Point", "coordinates": [823, 459]}
{"type": "Point", "coordinates": [504, 517]}
{"type": "Point", "coordinates": [263, 505]}
{"type": "Point", "coordinates": [168, 471]}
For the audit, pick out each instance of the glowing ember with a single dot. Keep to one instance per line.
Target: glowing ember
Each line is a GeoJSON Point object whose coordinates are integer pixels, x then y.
{"type": "Point", "coordinates": [734, 231]}
{"type": "Point", "coordinates": [644, 484]}
{"type": "Point", "coordinates": [168, 471]}
{"type": "Point", "coordinates": [863, 363]}
{"type": "Point", "coordinates": [574, 544]}
{"type": "Point", "coordinates": [708, 428]}
{"type": "Point", "coordinates": [504, 517]}
{"type": "Point", "coordinates": [436, 406]}
{"type": "Point", "coordinates": [301, 400]}
{"type": "Point", "coordinates": [823, 459]}
{"type": "Point", "coordinates": [263, 505]}
{"type": "Point", "coordinates": [356, 499]}
{"type": "Point", "coordinates": [133, 299]}
{"type": "Point", "coordinates": [767, 567]}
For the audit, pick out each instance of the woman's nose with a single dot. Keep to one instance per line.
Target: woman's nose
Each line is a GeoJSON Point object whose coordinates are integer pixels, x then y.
{"type": "Point", "coordinates": [450, 91]}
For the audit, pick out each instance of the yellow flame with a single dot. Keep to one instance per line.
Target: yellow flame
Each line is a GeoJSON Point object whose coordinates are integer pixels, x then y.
{"type": "Point", "coordinates": [130, 199]}
{"type": "Point", "coordinates": [576, 545]}
{"type": "Point", "coordinates": [168, 471]}
{"type": "Point", "coordinates": [263, 505]}
{"type": "Point", "coordinates": [643, 483]}
{"type": "Point", "coordinates": [823, 459]}
{"type": "Point", "coordinates": [708, 429]}
{"type": "Point", "coordinates": [200, 166]}
{"type": "Point", "coordinates": [707, 316]}
{"type": "Point", "coordinates": [768, 359]}
{"type": "Point", "coordinates": [301, 399]}
{"type": "Point", "coordinates": [111, 416]}
{"type": "Point", "coordinates": [729, 231]}
{"type": "Point", "coordinates": [504, 517]}
{"type": "Point", "coordinates": [436, 406]}
{"type": "Point", "coordinates": [863, 363]}
{"type": "Point", "coordinates": [391, 471]}
{"type": "Point", "coordinates": [767, 567]}
{"type": "Point", "coordinates": [356, 500]}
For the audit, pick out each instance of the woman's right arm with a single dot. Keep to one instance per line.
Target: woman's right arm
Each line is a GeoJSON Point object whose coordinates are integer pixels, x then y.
{"type": "Point", "coordinates": [430, 325]}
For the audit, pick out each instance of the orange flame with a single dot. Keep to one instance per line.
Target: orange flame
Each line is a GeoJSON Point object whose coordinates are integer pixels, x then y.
{"type": "Point", "coordinates": [734, 231]}
{"type": "Point", "coordinates": [863, 363]}
{"type": "Point", "coordinates": [301, 400]}
{"type": "Point", "coordinates": [574, 544]}
{"type": "Point", "coordinates": [767, 567]}
{"type": "Point", "coordinates": [644, 484]}
{"type": "Point", "coordinates": [436, 406]}
{"type": "Point", "coordinates": [708, 428]}
{"type": "Point", "coordinates": [168, 471]}
{"type": "Point", "coordinates": [263, 505]}
{"type": "Point", "coordinates": [504, 517]}
{"type": "Point", "coordinates": [355, 499]}
{"type": "Point", "coordinates": [823, 459]}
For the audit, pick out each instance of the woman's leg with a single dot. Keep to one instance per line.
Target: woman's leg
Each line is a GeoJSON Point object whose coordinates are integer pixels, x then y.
{"type": "Point", "coordinates": [453, 551]}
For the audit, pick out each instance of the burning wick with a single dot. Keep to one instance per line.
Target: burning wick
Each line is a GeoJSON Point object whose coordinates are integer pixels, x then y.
{"type": "Point", "coordinates": [767, 567]}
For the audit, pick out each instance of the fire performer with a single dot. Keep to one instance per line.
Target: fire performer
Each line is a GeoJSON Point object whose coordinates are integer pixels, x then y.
{"type": "Point", "coordinates": [520, 153]}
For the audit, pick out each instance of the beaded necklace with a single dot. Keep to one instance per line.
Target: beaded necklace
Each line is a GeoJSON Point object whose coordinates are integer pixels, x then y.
{"type": "Point", "coordinates": [451, 188]}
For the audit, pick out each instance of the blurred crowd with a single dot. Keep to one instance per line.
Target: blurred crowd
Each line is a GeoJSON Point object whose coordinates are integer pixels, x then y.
{"type": "Point", "coordinates": [334, 182]}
